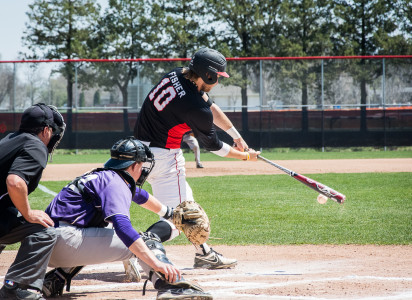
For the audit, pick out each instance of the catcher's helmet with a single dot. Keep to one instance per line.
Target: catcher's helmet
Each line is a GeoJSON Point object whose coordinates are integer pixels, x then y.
{"type": "Point", "coordinates": [127, 151]}
{"type": "Point", "coordinates": [208, 63]}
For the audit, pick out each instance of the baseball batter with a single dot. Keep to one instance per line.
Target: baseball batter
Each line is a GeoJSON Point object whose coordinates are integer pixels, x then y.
{"type": "Point", "coordinates": [177, 104]}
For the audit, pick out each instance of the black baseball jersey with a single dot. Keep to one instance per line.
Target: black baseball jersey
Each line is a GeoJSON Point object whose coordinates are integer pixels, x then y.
{"type": "Point", "coordinates": [25, 155]}
{"type": "Point", "coordinates": [173, 107]}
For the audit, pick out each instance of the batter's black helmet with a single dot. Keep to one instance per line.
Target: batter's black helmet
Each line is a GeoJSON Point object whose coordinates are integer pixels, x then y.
{"type": "Point", "coordinates": [208, 63]}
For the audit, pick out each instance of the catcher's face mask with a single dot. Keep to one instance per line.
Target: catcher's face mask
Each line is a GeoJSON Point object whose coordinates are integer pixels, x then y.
{"type": "Point", "coordinates": [127, 151]}
{"type": "Point", "coordinates": [147, 167]}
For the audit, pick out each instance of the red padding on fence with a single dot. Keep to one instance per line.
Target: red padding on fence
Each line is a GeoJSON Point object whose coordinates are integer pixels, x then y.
{"type": "Point", "coordinates": [187, 59]}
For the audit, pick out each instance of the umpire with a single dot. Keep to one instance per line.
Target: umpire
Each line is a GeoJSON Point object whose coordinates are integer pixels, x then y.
{"type": "Point", "coordinates": [23, 156]}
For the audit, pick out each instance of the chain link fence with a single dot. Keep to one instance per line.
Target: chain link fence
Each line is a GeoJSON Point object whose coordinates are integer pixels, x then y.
{"type": "Point", "coordinates": [274, 102]}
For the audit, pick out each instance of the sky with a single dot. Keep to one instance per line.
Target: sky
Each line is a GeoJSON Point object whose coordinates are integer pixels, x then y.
{"type": "Point", "coordinates": [12, 24]}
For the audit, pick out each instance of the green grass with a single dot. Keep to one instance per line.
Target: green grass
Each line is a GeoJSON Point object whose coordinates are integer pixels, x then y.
{"type": "Point", "coordinates": [63, 156]}
{"type": "Point", "coordinates": [278, 210]}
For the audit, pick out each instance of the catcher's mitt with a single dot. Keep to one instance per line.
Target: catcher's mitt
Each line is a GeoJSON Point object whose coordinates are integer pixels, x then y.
{"type": "Point", "coordinates": [190, 218]}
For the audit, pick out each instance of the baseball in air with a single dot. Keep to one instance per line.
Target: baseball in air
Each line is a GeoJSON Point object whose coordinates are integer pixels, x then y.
{"type": "Point", "coordinates": [322, 199]}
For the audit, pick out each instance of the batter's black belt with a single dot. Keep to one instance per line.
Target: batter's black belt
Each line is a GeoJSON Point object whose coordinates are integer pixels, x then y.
{"type": "Point", "coordinates": [155, 145]}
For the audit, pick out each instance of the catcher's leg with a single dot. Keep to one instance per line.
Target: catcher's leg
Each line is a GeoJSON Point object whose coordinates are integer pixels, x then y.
{"type": "Point", "coordinates": [181, 289]}
{"type": "Point", "coordinates": [205, 258]}
{"type": "Point", "coordinates": [56, 279]}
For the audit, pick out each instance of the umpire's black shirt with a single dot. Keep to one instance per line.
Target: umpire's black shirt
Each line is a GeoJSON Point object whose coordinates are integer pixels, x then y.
{"type": "Point", "coordinates": [22, 154]}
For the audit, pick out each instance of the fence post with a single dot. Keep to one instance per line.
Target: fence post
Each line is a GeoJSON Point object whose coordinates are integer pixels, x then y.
{"type": "Point", "coordinates": [384, 104]}
{"type": "Point", "coordinates": [13, 99]}
{"type": "Point", "coordinates": [261, 102]}
{"type": "Point", "coordinates": [138, 87]}
{"type": "Point", "coordinates": [323, 109]}
{"type": "Point", "coordinates": [76, 103]}
{"type": "Point", "coordinates": [76, 100]}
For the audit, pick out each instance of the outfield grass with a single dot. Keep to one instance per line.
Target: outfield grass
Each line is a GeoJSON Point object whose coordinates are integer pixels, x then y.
{"type": "Point", "coordinates": [100, 156]}
{"type": "Point", "coordinates": [277, 210]}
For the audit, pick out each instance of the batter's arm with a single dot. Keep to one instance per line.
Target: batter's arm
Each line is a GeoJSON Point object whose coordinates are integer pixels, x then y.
{"type": "Point", "coordinates": [222, 121]}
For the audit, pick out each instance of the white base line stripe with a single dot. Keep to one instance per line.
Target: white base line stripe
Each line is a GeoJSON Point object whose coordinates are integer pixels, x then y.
{"type": "Point", "coordinates": [46, 190]}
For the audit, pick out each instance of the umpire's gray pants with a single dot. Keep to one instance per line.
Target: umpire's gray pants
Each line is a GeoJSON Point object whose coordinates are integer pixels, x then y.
{"type": "Point", "coordinates": [77, 246]}
{"type": "Point", "coordinates": [30, 264]}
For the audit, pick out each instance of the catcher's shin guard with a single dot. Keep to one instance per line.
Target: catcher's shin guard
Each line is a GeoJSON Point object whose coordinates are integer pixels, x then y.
{"type": "Point", "coordinates": [56, 279]}
{"type": "Point", "coordinates": [154, 243]}
{"type": "Point", "coordinates": [181, 289]}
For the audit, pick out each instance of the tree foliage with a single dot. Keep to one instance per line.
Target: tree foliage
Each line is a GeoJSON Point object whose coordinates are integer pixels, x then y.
{"type": "Point", "coordinates": [185, 28]}
{"type": "Point", "coordinates": [367, 27]}
{"type": "Point", "coordinates": [60, 29]}
{"type": "Point", "coordinates": [127, 29]}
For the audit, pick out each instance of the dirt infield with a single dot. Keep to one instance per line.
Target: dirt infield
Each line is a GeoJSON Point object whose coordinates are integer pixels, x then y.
{"type": "Point", "coordinates": [221, 168]}
{"type": "Point", "coordinates": [266, 272]}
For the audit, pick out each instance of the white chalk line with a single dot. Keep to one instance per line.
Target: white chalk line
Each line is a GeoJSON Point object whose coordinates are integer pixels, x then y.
{"type": "Point", "coordinates": [230, 289]}
{"type": "Point", "coordinates": [46, 190]}
{"type": "Point", "coordinates": [236, 286]}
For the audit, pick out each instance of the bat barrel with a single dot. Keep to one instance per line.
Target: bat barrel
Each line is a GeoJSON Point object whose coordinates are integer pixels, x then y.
{"type": "Point", "coordinates": [317, 186]}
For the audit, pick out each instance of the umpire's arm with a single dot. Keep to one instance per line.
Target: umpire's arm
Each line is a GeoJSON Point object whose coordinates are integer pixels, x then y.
{"type": "Point", "coordinates": [18, 192]}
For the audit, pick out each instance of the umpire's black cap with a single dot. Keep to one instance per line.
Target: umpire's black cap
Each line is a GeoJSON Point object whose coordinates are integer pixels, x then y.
{"type": "Point", "coordinates": [38, 115]}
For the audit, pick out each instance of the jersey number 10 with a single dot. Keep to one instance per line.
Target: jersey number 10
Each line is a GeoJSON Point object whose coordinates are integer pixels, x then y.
{"type": "Point", "coordinates": [164, 97]}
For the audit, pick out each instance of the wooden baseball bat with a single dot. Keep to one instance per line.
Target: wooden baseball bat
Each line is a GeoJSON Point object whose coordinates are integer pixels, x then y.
{"type": "Point", "coordinates": [313, 184]}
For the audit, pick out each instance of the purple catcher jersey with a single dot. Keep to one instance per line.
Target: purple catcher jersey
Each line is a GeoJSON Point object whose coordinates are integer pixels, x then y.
{"type": "Point", "coordinates": [109, 193]}
{"type": "Point", "coordinates": [173, 107]}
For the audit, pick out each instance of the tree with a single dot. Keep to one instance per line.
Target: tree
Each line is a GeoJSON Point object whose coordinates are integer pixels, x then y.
{"type": "Point", "coordinates": [60, 29]}
{"type": "Point", "coordinates": [128, 30]}
{"type": "Point", "coordinates": [245, 28]}
{"type": "Point", "coordinates": [185, 28]}
{"type": "Point", "coordinates": [96, 98]}
{"type": "Point", "coordinates": [6, 83]}
{"type": "Point", "coordinates": [307, 30]}
{"type": "Point", "coordinates": [366, 27]}
{"type": "Point", "coordinates": [82, 99]}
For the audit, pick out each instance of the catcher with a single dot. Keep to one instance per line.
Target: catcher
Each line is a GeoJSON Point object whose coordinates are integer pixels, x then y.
{"type": "Point", "coordinates": [84, 208]}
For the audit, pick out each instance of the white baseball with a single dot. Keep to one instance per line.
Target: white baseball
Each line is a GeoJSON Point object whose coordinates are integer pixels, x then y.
{"type": "Point", "coordinates": [322, 199]}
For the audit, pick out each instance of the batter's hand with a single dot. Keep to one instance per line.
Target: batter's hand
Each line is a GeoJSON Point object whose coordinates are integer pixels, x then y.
{"type": "Point", "coordinates": [39, 217]}
{"type": "Point", "coordinates": [171, 273]}
{"type": "Point", "coordinates": [253, 154]}
{"type": "Point", "coordinates": [240, 144]}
